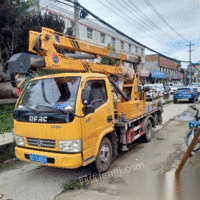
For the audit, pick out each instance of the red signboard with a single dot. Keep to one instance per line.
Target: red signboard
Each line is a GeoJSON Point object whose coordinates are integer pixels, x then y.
{"type": "Point", "coordinates": [144, 72]}
{"type": "Point", "coordinates": [180, 76]}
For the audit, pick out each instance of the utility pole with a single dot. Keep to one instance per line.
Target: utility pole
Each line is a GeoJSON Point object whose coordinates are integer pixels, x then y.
{"type": "Point", "coordinates": [190, 60]}
{"type": "Point", "coordinates": [76, 20]}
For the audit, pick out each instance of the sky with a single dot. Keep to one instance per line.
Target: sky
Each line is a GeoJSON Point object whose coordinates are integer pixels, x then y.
{"type": "Point", "coordinates": [165, 26]}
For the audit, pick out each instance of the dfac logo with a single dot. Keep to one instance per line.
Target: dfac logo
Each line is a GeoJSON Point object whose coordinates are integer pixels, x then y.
{"type": "Point", "coordinates": [55, 59]}
{"type": "Point", "coordinates": [38, 119]}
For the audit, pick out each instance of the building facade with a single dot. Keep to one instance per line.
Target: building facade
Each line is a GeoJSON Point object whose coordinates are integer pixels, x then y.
{"type": "Point", "coordinates": [162, 69]}
{"type": "Point", "coordinates": [96, 33]}
{"type": "Point", "coordinates": [193, 73]}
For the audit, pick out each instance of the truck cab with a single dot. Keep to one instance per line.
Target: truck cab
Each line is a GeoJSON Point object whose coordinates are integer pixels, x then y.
{"type": "Point", "coordinates": [60, 119]}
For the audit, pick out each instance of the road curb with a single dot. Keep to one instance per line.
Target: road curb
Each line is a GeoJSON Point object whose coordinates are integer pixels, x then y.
{"type": "Point", "coordinates": [6, 138]}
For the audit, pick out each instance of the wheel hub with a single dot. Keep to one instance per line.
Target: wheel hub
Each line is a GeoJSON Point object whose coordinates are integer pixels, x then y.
{"type": "Point", "coordinates": [104, 154]}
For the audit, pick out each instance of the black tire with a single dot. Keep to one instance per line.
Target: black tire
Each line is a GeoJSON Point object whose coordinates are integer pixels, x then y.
{"type": "Point", "coordinates": [160, 118]}
{"type": "Point", "coordinates": [156, 119]}
{"type": "Point", "coordinates": [175, 101]}
{"type": "Point", "coordinates": [192, 100]}
{"type": "Point", "coordinates": [104, 157]}
{"type": "Point", "coordinates": [147, 131]}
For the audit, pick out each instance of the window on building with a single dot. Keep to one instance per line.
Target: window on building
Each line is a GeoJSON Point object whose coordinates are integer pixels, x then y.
{"type": "Point", "coordinates": [113, 42]}
{"type": "Point", "coordinates": [129, 47]}
{"type": "Point", "coordinates": [89, 33]}
{"type": "Point", "coordinates": [122, 45]}
{"type": "Point", "coordinates": [102, 37]}
{"type": "Point", "coordinates": [136, 50]}
{"type": "Point", "coordinates": [142, 52]}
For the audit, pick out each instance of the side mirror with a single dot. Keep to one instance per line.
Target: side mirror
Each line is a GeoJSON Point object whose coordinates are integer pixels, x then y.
{"type": "Point", "coordinates": [85, 96]}
{"type": "Point", "coordinates": [87, 109]}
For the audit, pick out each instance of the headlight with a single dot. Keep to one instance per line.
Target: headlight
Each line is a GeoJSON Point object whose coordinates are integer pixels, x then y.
{"type": "Point", "coordinates": [70, 145]}
{"type": "Point", "coordinates": [19, 140]}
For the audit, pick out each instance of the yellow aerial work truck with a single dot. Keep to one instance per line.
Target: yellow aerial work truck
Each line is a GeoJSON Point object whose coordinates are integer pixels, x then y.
{"type": "Point", "coordinates": [71, 119]}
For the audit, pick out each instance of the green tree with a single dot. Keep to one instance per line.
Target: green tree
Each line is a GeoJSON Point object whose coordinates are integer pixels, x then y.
{"type": "Point", "coordinates": [16, 21]}
{"type": "Point", "coordinates": [10, 10]}
{"type": "Point", "coordinates": [108, 61]}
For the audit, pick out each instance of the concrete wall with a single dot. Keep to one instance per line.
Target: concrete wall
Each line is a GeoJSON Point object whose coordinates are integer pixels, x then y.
{"type": "Point", "coordinates": [152, 65]}
{"type": "Point", "coordinates": [6, 90]}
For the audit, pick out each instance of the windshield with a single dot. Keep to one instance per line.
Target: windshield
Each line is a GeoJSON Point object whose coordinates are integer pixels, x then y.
{"type": "Point", "coordinates": [58, 93]}
{"type": "Point", "coordinates": [184, 89]}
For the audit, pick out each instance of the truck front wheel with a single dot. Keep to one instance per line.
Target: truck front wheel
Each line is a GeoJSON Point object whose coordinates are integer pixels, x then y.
{"type": "Point", "coordinates": [104, 157]}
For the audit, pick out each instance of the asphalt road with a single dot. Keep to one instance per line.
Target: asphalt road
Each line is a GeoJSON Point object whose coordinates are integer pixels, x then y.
{"type": "Point", "coordinates": [22, 181]}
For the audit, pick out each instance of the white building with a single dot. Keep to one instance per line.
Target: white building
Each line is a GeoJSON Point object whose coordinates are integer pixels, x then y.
{"type": "Point", "coordinates": [94, 32]}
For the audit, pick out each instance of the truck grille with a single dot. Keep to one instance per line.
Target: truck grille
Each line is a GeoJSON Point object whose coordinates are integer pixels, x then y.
{"type": "Point", "coordinates": [41, 142]}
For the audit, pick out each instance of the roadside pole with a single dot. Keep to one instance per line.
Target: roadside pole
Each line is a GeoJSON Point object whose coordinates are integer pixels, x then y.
{"type": "Point", "coordinates": [187, 153]}
{"type": "Point", "coordinates": [76, 20]}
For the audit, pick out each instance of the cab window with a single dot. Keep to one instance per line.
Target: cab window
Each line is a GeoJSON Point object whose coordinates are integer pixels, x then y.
{"type": "Point", "coordinates": [97, 92]}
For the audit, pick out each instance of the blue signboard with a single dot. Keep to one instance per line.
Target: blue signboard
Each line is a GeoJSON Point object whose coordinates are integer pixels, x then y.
{"type": "Point", "coordinates": [157, 74]}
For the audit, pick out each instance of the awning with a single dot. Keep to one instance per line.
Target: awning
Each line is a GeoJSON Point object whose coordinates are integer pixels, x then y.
{"type": "Point", "coordinates": [157, 74]}
{"type": "Point", "coordinates": [167, 75]}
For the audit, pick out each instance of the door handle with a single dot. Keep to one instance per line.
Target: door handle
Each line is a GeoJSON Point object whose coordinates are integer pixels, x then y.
{"type": "Point", "coordinates": [109, 118]}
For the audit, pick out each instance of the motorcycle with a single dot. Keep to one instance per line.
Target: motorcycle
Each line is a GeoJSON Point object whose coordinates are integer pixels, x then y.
{"type": "Point", "coordinates": [166, 93]}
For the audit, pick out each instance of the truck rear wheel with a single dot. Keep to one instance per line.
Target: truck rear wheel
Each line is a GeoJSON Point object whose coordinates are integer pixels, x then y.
{"type": "Point", "coordinates": [104, 157]}
{"type": "Point", "coordinates": [148, 131]}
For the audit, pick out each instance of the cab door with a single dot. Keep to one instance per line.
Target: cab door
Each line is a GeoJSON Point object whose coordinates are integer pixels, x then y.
{"type": "Point", "coordinates": [96, 123]}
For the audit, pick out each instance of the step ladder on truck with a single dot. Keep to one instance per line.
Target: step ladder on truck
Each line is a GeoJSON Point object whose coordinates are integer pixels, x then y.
{"type": "Point", "coordinates": [71, 119]}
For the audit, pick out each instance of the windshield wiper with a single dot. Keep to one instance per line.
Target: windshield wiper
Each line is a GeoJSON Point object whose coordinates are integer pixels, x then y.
{"type": "Point", "coordinates": [62, 111]}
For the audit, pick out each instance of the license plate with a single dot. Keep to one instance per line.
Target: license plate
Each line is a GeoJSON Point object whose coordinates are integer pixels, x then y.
{"type": "Point", "coordinates": [38, 158]}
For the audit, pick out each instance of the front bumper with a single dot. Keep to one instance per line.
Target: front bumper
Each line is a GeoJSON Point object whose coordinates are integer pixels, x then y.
{"type": "Point", "coordinates": [59, 160]}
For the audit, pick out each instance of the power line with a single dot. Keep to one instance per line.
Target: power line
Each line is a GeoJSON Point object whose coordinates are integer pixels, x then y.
{"type": "Point", "coordinates": [126, 19]}
{"type": "Point", "coordinates": [160, 16]}
{"type": "Point", "coordinates": [132, 13]}
{"type": "Point", "coordinates": [123, 34]}
{"type": "Point", "coordinates": [145, 17]}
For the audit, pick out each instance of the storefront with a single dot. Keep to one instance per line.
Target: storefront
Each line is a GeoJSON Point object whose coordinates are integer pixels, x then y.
{"type": "Point", "coordinates": [144, 75]}
{"type": "Point", "coordinates": [157, 76]}
{"type": "Point", "coordinates": [180, 77]}
{"type": "Point", "coordinates": [167, 78]}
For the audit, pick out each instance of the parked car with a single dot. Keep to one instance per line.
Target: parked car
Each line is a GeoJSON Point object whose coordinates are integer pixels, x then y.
{"type": "Point", "coordinates": [197, 86]}
{"type": "Point", "coordinates": [160, 88]}
{"type": "Point", "coordinates": [185, 93]}
{"type": "Point", "coordinates": [175, 87]}
{"type": "Point", "coordinates": [152, 93]}
{"type": "Point", "coordinates": [169, 85]}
